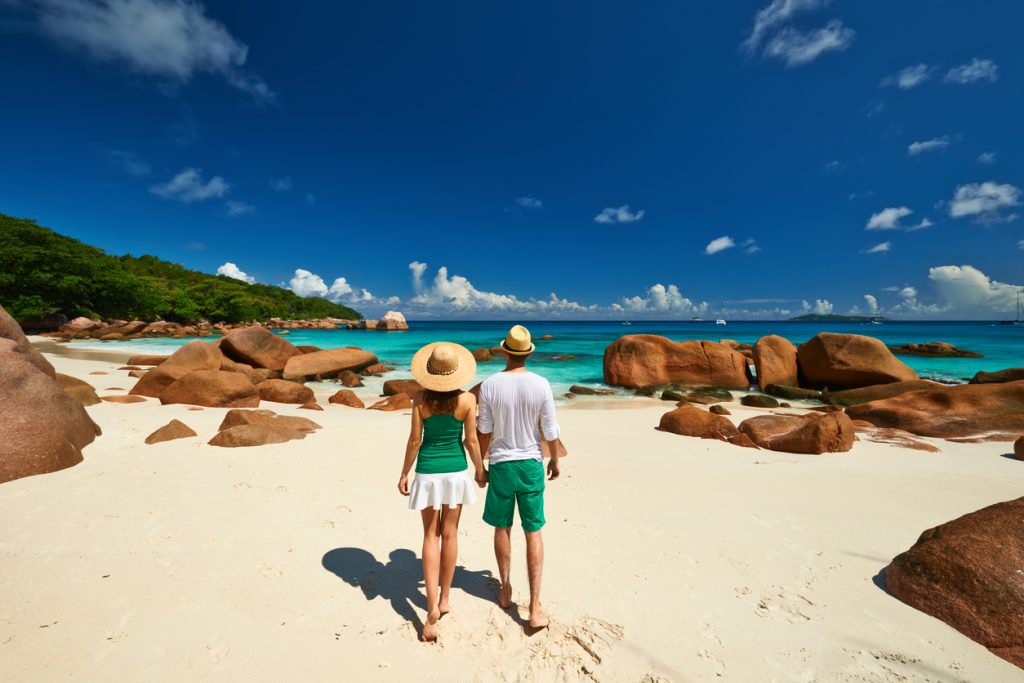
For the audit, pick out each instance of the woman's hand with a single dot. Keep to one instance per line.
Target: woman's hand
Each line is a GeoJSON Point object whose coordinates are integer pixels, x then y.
{"type": "Point", "coordinates": [481, 477]}
{"type": "Point", "coordinates": [403, 485]}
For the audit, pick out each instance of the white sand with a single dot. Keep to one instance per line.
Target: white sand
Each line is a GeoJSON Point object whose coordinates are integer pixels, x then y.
{"type": "Point", "coordinates": [668, 558]}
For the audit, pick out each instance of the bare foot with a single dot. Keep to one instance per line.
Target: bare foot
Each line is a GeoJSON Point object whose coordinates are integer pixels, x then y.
{"type": "Point", "coordinates": [505, 595]}
{"type": "Point", "coordinates": [443, 607]}
{"type": "Point", "coordinates": [538, 620]}
{"type": "Point", "coordinates": [430, 628]}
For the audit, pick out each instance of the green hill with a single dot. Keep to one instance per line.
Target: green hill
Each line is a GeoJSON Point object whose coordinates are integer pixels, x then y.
{"type": "Point", "coordinates": [833, 318]}
{"type": "Point", "coordinates": [43, 272]}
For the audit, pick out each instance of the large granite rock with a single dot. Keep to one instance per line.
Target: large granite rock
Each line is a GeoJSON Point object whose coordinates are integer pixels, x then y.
{"type": "Point", "coordinates": [810, 434]}
{"type": "Point", "coordinates": [933, 349]}
{"type": "Point", "coordinates": [848, 361]}
{"type": "Point", "coordinates": [269, 418]}
{"type": "Point", "coordinates": [213, 389]}
{"type": "Point", "coordinates": [147, 359]}
{"type": "Point", "coordinates": [392, 320]}
{"type": "Point", "coordinates": [851, 397]}
{"type": "Point", "coordinates": [175, 429]}
{"type": "Point", "coordinates": [327, 363]}
{"type": "Point", "coordinates": [196, 355]}
{"type": "Point", "coordinates": [259, 348]}
{"type": "Point", "coordinates": [81, 391]}
{"type": "Point", "coordinates": [1018, 448]}
{"type": "Point", "coordinates": [950, 412]}
{"type": "Point", "coordinates": [248, 435]}
{"type": "Point", "coordinates": [967, 573]}
{"type": "Point", "coordinates": [401, 386]}
{"type": "Point", "coordinates": [347, 397]}
{"type": "Point", "coordinates": [999, 376]}
{"type": "Point", "coordinates": [9, 329]}
{"type": "Point", "coordinates": [393, 402]}
{"type": "Point", "coordinates": [689, 420]}
{"type": "Point", "coordinates": [775, 362]}
{"type": "Point", "coordinates": [42, 428]}
{"type": "Point", "coordinates": [283, 391]}
{"type": "Point", "coordinates": [643, 360]}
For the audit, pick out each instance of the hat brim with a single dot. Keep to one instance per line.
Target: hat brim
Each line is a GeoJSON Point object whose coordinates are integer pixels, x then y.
{"type": "Point", "coordinates": [462, 376]}
{"type": "Point", "coordinates": [506, 349]}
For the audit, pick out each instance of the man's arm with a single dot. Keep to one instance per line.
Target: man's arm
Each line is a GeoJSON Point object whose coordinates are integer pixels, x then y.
{"type": "Point", "coordinates": [550, 431]}
{"type": "Point", "coordinates": [484, 424]}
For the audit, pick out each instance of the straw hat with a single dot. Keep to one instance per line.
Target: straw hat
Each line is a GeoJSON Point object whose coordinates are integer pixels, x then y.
{"type": "Point", "coordinates": [443, 366]}
{"type": "Point", "coordinates": [518, 342]}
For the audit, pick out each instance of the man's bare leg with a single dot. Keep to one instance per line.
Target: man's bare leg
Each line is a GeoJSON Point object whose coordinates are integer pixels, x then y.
{"type": "Point", "coordinates": [535, 567]}
{"type": "Point", "coordinates": [431, 567]}
{"type": "Point", "coordinates": [503, 553]}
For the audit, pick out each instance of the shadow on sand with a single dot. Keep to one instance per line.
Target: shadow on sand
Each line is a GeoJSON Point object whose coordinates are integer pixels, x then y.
{"type": "Point", "coordinates": [400, 580]}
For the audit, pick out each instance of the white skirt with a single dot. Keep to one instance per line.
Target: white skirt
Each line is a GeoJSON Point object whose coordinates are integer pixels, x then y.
{"type": "Point", "coordinates": [435, 490]}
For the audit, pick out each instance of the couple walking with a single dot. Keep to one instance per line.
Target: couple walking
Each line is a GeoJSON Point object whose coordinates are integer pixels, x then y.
{"type": "Point", "coordinates": [514, 411]}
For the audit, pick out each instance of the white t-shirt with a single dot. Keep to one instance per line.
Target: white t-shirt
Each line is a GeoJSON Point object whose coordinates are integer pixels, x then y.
{"type": "Point", "coordinates": [512, 405]}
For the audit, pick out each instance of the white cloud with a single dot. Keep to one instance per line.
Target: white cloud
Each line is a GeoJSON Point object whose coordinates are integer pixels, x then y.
{"type": "Point", "coordinates": [531, 203]}
{"type": "Point", "coordinates": [975, 71]}
{"type": "Point", "coordinates": [888, 219]}
{"type": "Point", "coordinates": [1020, 245]}
{"type": "Point", "coordinates": [418, 269]}
{"type": "Point", "coordinates": [172, 40]}
{"type": "Point", "coordinates": [909, 77]}
{"type": "Point", "coordinates": [229, 269]}
{"type": "Point", "coordinates": [795, 47]}
{"type": "Point", "coordinates": [619, 215]}
{"type": "Point", "coordinates": [880, 248]}
{"type": "Point", "coordinates": [281, 184]}
{"type": "Point", "coordinates": [750, 246]}
{"type": "Point", "coordinates": [237, 208]}
{"type": "Point", "coordinates": [719, 244]}
{"type": "Point", "coordinates": [129, 162]}
{"type": "Point", "coordinates": [305, 283]}
{"type": "Point", "coordinates": [188, 187]}
{"type": "Point", "coordinates": [662, 299]}
{"type": "Point", "coordinates": [987, 158]}
{"type": "Point", "coordinates": [908, 292]}
{"type": "Point", "coordinates": [985, 202]}
{"type": "Point", "coordinates": [778, 13]}
{"type": "Point", "coordinates": [916, 148]}
{"type": "Point", "coordinates": [834, 166]}
{"type": "Point", "coordinates": [923, 224]}
{"type": "Point", "coordinates": [872, 302]}
{"type": "Point", "coordinates": [961, 293]}
{"type": "Point", "coordinates": [821, 307]}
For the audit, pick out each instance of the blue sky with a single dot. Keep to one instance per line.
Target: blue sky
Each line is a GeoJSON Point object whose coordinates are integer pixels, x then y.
{"type": "Point", "coordinates": [535, 159]}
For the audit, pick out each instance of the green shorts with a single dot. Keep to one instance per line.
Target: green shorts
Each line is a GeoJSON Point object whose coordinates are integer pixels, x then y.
{"type": "Point", "coordinates": [511, 482]}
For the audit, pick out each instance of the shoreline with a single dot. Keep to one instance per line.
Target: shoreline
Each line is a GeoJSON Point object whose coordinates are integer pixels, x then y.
{"type": "Point", "coordinates": [668, 558]}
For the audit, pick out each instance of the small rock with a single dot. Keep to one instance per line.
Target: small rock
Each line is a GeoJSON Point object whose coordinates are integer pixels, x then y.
{"type": "Point", "coordinates": [175, 429]}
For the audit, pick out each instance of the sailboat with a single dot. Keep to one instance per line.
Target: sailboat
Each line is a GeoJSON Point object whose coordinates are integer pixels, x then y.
{"type": "Point", "coordinates": [1017, 320]}
{"type": "Point", "coordinates": [721, 315]}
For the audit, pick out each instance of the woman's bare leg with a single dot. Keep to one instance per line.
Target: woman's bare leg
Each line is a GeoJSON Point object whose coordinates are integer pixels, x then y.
{"type": "Point", "coordinates": [431, 566]}
{"type": "Point", "coordinates": [449, 552]}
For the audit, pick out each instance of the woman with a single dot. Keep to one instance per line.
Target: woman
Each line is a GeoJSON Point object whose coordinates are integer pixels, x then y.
{"type": "Point", "coordinates": [442, 416]}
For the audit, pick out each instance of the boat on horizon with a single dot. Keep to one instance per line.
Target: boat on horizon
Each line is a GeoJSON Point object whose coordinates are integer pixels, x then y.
{"type": "Point", "coordinates": [696, 319]}
{"type": "Point", "coordinates": [1017, 320]}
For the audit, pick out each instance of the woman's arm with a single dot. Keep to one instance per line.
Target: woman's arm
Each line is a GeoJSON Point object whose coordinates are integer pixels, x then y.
{"type": "Point", "coordinates": [412, 446]}
{"type": "Point", "coordinates": [472, 442]}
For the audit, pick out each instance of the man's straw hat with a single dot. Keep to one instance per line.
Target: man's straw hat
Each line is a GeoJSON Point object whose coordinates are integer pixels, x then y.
{"type": "Point", "coordinates": [443, 366]}
{"type": "Point", "coordinates": [518, 342]}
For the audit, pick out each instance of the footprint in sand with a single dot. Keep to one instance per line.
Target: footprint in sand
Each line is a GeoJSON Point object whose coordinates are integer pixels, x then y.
{"type": "Point", "coordinates": [242, 485]}
{"type": "Point", "coordinates": [281, 488]}
{"type": "Point", "coordinates": [791, 607]}
{"type": "Point", "coordinates": [327, 524]}
{"type": "Point", "coordinates": [343, 508]}
{"type": "Point", "coordinates": [217, 649]}
{"type": "Point", "coordinates": [267, 570]}
{"type": "Point", "coordinates": [568, 650]}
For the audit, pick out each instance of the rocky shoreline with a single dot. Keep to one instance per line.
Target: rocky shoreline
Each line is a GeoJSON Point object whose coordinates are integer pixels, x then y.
{"type": "Point", "coordinates": [118, 330]}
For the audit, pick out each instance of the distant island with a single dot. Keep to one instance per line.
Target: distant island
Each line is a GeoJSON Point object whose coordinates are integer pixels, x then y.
{"type": "Point", "coordinates": [43, 273]}
{"type": "Point", "coordinates": [832, 318]}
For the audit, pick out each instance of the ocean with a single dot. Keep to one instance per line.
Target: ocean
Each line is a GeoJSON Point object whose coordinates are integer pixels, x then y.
{"type": "Point", "coordinates": [1001, 346]}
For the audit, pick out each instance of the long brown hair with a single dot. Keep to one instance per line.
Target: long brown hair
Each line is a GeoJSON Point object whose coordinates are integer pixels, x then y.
{"type": "Point", "coordinates": [441, 402]}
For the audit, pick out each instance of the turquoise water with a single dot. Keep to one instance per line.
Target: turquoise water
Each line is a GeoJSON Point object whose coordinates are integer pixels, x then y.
{"type": "Point", "coordinates": [1002, 346]}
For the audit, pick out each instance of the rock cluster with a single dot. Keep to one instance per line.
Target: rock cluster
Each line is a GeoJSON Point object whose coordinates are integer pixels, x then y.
{"type": "Point", "coordinates": [934, 349]}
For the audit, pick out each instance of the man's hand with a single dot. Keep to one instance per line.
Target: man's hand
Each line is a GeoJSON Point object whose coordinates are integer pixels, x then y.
{"type": "Point", "coordinates": [403, 485]}
{"type": "Point", "coordinates": [481, 477]}
{"type": "Point", "coordinates": [553, 470]}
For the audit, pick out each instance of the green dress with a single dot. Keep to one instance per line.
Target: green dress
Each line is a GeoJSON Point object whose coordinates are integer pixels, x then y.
{"type": "Point", "coordinates": [441, 451]}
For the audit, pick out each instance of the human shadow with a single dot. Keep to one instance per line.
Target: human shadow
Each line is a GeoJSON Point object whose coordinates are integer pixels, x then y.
{"type": "Point", "coordinates": [400, 580]}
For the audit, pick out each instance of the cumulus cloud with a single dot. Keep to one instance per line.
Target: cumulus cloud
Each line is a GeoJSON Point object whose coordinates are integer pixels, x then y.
{"type": "Point", "coordinates": [171, 40]}
{"type": "Point", "coordinates": [129, 162]}
{"type": "Point", "coordinates": [531, 203]}
{"type": "Point", "coordinates": [888, 219]}
{"type": "Point", "coordinates": [306, 284]}
{"type": "Point", "coordinates": [237, 208]}
{"type": "Point", "coordinates": [795, 47]}
{"type": "Point", "coordinates": [975, 71]}
{"type": "Point", "coordinates": [872, 303]}
{"type": "Point", "coordinates": [985, 203]}
{"type": "Point", "coordinates": [719, 244]}
{"type": "Point", "coordinates": [908, 292]}
{"type": "Point", "coordinates": [820, 307]}
{"type": "Point", "coordinates": [229, 269]}
{"type": "Point", "coordinates": [909, 77]}
{"type": "Point", "coordinates": [661, 299]}
{"type": "Point", "coordinates": [960, 293]}
{"type": "Point", "coordinates": [775, 15]}
{"type": "Point", "coordinates": [987, 158]}
{"type": "Point", "coordinates": [619, 215]}
{"type": "Point", "coordinates": [932, 145]}
{"type": "Point", "coordinates": [281, 184]}
{"type": "Point", "coordinates": [880, 248]}
{"type": "Point", "coordinates": [189, 186]}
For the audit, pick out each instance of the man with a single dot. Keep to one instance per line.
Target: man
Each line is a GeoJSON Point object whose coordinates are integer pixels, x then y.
{"type": "Point", "coordinates": [517, 410]}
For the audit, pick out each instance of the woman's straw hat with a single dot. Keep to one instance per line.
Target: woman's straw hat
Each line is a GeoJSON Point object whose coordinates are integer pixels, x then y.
{"type": "Point", "coordinates": [518, 342]}
{"type": "Point", "coordinates": [443, 366]}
